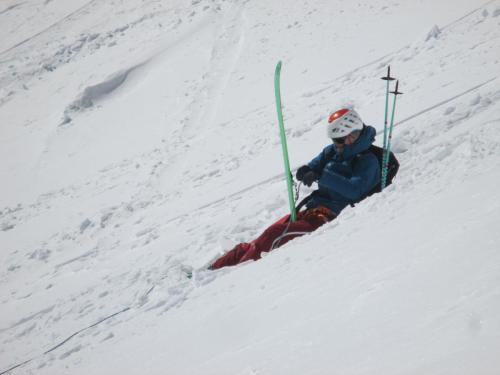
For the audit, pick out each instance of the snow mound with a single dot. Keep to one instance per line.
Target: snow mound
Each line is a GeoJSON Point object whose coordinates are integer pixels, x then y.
{"type": "Point", "coordinates": [94, 93]}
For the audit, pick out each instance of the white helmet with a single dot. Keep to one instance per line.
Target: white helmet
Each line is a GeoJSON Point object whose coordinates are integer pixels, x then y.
{"type": "Point", "coordinates": [343, 122]}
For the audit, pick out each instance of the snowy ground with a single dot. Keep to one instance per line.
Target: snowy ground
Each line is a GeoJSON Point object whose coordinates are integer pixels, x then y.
{"type": "Point", "coordinates": [139, 139]}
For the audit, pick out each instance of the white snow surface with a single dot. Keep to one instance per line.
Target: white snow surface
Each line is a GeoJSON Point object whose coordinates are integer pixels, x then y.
{"type": "Point", "coordinates": [139, 140]}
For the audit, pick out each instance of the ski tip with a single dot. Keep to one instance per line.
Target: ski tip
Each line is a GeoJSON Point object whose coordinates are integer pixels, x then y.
{"type": "Point", "coordinates": [277, 71]}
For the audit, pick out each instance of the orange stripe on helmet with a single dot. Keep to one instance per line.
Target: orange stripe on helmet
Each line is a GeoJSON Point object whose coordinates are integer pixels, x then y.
{"type": "Point", "coordinates": [337, 114]}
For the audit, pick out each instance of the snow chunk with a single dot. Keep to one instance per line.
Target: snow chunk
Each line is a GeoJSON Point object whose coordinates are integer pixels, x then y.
{"type": "Point", "coordinates": [40, 254]}
{"type": "Point", "coordinates": [433, 33]}
{"type": "Point", "coordinates": [84, 225]}
{"type": "Point", "coordinates": [6, 226]}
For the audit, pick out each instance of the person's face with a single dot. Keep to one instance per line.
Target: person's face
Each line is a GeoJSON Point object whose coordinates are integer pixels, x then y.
{"type": "Point", "coordinates": [342, 141]}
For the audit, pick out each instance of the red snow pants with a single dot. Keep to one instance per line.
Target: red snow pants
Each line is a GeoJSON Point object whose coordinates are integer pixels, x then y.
{"type": "Point", "coordinates": [307, 221]}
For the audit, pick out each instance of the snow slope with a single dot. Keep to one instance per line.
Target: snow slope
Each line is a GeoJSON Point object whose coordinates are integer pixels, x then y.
{"type": "Point", "coordinates": [139, 139]}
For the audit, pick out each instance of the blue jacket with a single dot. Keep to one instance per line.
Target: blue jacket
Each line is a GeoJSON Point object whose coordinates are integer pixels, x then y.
{"type": "Point", "coordinates": [345, 178]}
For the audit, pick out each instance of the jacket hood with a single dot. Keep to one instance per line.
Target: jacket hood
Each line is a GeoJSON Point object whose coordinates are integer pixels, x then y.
{"type": "Point", "coordinates": [363, 143]}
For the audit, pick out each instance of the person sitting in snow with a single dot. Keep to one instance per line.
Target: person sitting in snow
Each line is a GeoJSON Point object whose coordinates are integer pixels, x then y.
{"type": "Point", "coordinates": [345, 172]}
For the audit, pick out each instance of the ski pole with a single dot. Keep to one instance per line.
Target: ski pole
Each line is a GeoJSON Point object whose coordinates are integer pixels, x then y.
{"type": "Point", "coordinates": [389, 138]}
{"type": "Point", "coordinates": [288, 174]}
{"type": "Point", "coordinates": [388, 79]}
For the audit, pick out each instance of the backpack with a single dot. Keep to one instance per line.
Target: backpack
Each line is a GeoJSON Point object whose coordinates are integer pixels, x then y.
{"type": "Point", "coordinates": [392, 167]}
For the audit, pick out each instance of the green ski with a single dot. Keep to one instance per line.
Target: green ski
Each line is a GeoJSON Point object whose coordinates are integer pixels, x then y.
{"type": "Point", "coordinates": [288, 173]}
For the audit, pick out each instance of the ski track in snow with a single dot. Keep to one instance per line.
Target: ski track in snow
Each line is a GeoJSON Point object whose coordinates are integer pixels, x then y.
{"type": "Point", "coordinates": [65, 49]}
{"type": "Point", "coordinates": [380, 62]}
{"type": "Point", "coordinates": [159, 284]}
{"type": "Point", "coordinates": [58, 22]}
{"type": "Point", "coordinates": [227, 44]}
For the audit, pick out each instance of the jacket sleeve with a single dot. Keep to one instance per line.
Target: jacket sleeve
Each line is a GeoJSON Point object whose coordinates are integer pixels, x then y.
{"type": "Point", "coordinates": [319, 162]}
{"type": "Point", "coordinates": [366, 174]}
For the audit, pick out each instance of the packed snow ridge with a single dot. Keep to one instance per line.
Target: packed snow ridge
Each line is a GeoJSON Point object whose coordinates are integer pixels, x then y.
{"type": "Point", "coordinates": [93, 93]}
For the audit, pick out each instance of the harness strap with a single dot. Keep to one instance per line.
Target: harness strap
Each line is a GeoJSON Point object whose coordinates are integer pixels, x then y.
{"type": "Point", "coordinates": [278, 240]}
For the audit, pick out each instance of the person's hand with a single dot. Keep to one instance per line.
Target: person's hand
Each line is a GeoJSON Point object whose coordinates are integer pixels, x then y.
{"type": "Point", "coordinates": [309, 178]}
{"type": "Point", "coordinates": [301, 172]}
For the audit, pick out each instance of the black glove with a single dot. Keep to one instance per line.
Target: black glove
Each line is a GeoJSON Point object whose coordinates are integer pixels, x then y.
{"type": "Point", "coordinates": [309, 178]}
{"type": "Point", "coordinates": [302, 171]}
